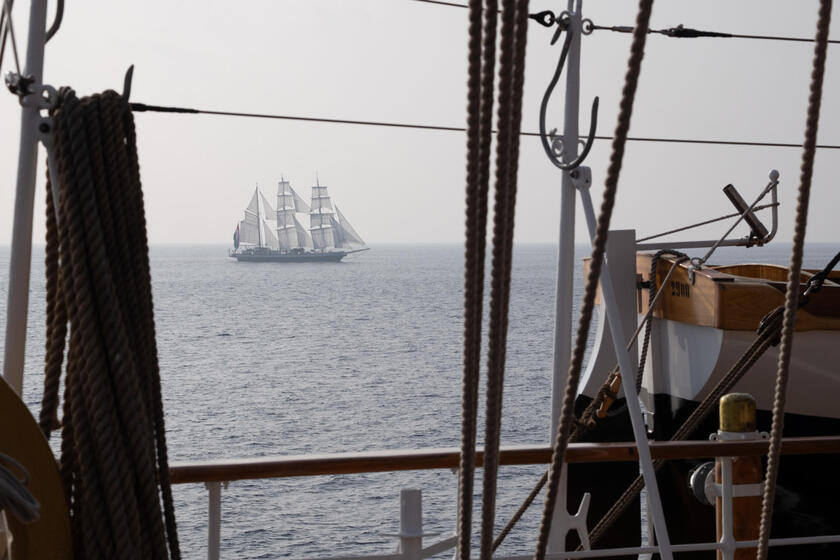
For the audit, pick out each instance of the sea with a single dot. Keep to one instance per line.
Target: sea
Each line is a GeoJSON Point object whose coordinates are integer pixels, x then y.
{"type": "Point", "coordinates": [266, 359]}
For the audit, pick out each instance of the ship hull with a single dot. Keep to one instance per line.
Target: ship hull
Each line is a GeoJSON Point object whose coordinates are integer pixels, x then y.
{"type": "Point", "coordinates": [277, 257]}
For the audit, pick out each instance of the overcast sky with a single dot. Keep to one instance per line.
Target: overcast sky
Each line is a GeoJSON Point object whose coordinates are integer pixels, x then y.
{"type": "Point", "coordinates": [405, 61]}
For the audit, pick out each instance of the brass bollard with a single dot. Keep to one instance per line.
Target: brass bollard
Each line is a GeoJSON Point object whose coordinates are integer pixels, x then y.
{"type": "Point", "coordinates": [737, 421]}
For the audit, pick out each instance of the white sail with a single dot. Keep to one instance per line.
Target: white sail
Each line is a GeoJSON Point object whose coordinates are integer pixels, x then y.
{"type": "Point", "coordinates": [269, 238]}
{"type": "Point", "coordinates": [286, 238]}
{"type": "Point", "coordinates": [320, 219]}
{"type": "Point", "coordinates": [288, 198]}
{"type": "Point", "coordinates": [248, 232]}
{"type": "Point", "coordinates": [339, 240]}
{"type": "Point", "coordinates": [253, 207]}
{"type": "Point", "coordinates": [349, 234]}
{"type": "Point", "coordinates": [304, 240]}
{"type": "Point", "coordinates": [322, 238]}
{"type": "Point", "coordinates": [267, 210]}
{"type": "Point", "coordinates": [299, 204]}
{"type": "Point", "coordinates": [320, 199]}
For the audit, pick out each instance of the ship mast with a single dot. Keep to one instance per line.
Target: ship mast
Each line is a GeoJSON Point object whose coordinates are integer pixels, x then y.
{"type": "Point", "coordinates": [259, 217]}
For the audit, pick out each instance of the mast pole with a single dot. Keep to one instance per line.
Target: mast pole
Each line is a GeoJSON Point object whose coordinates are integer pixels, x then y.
{"type": "Point", "coordinates": [564, 293]}
{"type": "Point", "coordinates": [259, 217]}
{"type": "Point", "coordinates": [566, 254]}
{"type": "Point", "coordinates": [21, 256]}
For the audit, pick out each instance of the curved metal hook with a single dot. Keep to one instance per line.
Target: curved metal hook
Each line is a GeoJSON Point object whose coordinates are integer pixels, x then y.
{"type": "Point", "coordinates": [59, 15]}
{"type": "Point", "coordinates": [550, 151]}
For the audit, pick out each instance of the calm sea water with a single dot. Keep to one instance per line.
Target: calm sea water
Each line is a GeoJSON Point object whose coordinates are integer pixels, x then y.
{"type": "Point", "coordinates": [260, 359]}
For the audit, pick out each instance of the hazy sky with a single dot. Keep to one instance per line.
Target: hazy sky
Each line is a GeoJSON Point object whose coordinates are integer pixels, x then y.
{"type": "Point", "coordinates": [404, 61]}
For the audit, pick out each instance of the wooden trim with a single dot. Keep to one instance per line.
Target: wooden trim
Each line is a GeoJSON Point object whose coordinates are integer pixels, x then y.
{"type": "Point", "coordinates": [720, 299]}
{"type": "Point", "coordinates": [449, 458]}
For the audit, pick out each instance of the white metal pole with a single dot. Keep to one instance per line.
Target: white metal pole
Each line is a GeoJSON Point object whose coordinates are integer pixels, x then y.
{"type": "Point", "coordinates": [21, 257]}
{"type": "Point", "coordinates": [564, 294]}
{"type": "Point", "coordinates": [411, 524]}
{"type": "Point", "coordinates": [628, 387]}
{"type": "Point", "coordinates": [214, 519]}
{"type": "Point", "coordinates": [566, 255]}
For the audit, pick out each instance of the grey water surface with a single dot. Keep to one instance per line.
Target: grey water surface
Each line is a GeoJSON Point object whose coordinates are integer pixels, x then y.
{"type": "Point", "coordinates": [266, 359]}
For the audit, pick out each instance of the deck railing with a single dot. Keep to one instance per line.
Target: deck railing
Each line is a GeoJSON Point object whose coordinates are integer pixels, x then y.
{"type": "Point", "coordinates": [216, 474]}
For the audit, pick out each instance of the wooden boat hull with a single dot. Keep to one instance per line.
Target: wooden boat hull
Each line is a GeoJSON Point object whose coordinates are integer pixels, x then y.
{"type": "Point", "coordinates": [700, 329]}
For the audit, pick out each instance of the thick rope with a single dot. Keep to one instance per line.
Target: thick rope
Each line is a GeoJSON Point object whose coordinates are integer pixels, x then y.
{"type": "Point", "coordinates": [479, 130]}
{"type": "Point", "coordinates": [511, 80]}
{"type": "Point", "coordinates": [792, 292]}
{"type": "Point", "coordinates": [56, 322]}
{"type": "Point", "coordinates": [599, 245]}
{"type": "Point", "coordinates": [654, 263]}
{"type": "Point", "coordinates": [113, 454]}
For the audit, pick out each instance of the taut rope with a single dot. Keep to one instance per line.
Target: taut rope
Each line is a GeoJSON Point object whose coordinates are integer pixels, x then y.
{"type": "Point", "coordinates": [792, 292]}
{"type": "Point", "coordinates": [513, 40]}
{"type": "Point", "coordinates": [599, 245]}
{"type": "Point", "coordinates": [113, 453]}
{"type": "Point", "coordinates": [479, 134]}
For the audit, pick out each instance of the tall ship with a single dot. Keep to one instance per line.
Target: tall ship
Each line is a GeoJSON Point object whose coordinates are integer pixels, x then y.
{"type": "Point", "coordinates": [266, 235]}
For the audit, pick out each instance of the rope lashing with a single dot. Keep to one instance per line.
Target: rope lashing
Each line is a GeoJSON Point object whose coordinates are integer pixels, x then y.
{"type": "Point", "coordinates": [599, 245]}
{"type": "Point", "coordinates": [481, 61]}
{"type": "Point", "coordinates": [654, 264]}
{"type": "Point", "coordinates": [513, 42]}
{"type": "Point", "coordinates": [792, 291]}
{"type": "Point", "coordinates": [14, 496]}
{"type": "Point", "coordinates": [113, 452]}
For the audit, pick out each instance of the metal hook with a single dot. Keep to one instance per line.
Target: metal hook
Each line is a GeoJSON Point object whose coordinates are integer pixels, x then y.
{"type": "Point", "coordinates": [129, 74]}
{"type": "Point", "coordinates": [552, 148]}
{"type": "Point", "coordinates": [59, 15]}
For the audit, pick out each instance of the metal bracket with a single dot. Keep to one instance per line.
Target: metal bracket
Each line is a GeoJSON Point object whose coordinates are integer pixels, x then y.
{"type": "Point", "coordinates": [581, 177]}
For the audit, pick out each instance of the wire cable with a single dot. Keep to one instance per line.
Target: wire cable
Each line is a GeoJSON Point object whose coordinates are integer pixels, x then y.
{"type": "Point", "coordinates": [441, 3]}
{"type": "Point", "coordinates": [9, 30]}
{"type": "Point", "coordinates": [143, 107]}
{"type": "Point", "coordinates": [682, 32]}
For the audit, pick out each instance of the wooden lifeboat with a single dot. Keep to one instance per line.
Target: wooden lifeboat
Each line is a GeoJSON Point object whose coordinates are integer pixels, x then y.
{"type": "Point", "coordinates": [702, 327]}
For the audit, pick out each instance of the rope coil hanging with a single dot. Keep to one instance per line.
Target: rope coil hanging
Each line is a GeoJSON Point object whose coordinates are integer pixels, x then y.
{"type": "Point", "coordinates": [792, 291]}
{"type": "Point", "coordinates": [113, 452]}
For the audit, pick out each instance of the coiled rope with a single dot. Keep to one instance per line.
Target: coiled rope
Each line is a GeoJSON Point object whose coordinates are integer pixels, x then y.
{"type": "Point", "coordinates": [14, 497]}
{"type": "Point", "coordinates": [113, 452]}
{"type": "Point", "coordinates": [792, 292]}
{"type": "Point", "coordinates": [481, 61]}
{"type": "Point", "coordinates": [599, 245]}
{"type": "Point", "coordinates": [513, 42]}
